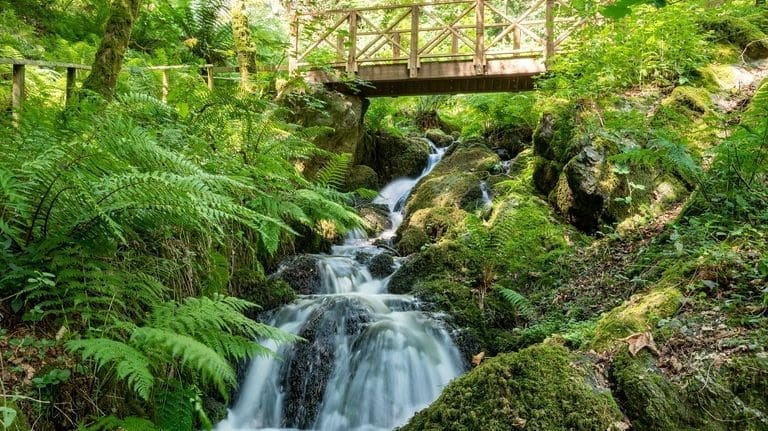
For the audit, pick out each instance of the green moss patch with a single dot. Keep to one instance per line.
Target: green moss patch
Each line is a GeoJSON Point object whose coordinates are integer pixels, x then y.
{"type": "Point", "coordinates": [636, 315]}
{"type": "Point", "coordinates": [543, 387]}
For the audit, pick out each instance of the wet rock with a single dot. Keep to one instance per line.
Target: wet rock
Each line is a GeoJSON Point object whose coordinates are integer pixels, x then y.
{"type": "Point", "coordinates": [411, 241]}
{"type": "Point", "coordinates": [381, 265]}
{"type": "Point", "coordinates": [301, 273]}
{"type": "Point", "coordinates": [310, 365]}
{"type": "Point", "coordinates": [376, 216]}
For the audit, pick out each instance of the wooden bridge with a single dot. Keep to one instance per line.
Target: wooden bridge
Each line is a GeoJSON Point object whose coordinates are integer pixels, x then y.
{"type": "Point", "coordinates": [452, 46]}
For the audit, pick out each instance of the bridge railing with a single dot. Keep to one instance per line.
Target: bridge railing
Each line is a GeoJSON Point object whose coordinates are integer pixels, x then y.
{"type": "Point", "coordinates": [451, 30]}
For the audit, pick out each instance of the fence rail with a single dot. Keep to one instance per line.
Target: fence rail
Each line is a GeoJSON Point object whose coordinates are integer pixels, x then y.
{"type": "Point", "coordinates": [457, 30]}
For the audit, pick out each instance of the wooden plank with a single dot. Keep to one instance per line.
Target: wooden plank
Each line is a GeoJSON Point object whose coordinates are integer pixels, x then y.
{"type": "Point", "coordinates": [413, 62]}
{"type": "Point", "coordinates": [71, 85]}
{"type": "Point", "coordinates": [396, 45]}
{"type": "Point", "coordinates": [352, 59]}
{"type": "Point", "coordinates": [209, 77]}
{"type": "Point", "coordinates": [387, 8]}
{"type": "Point", "coordinates": [49, 64]}
{"type": "Point", "coordinates": [166, 85]}
{"type": "Point", "coordinates": [17, 92]}
{"type": "Point", "coordinates": [479, 59]}
{"type": "Point", "coordinates": [550, 29]}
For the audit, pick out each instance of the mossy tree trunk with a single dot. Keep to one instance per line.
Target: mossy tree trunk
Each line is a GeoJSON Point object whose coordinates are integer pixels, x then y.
{"type": "Point", "coordinates": [244, 46]}
{"type": "Point", "coordinates": [109, 57]}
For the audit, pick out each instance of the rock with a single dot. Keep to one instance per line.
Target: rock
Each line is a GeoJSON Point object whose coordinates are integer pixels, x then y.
{"type": "Point", "coordinates": [341, 114]}
{"type": "Point", "coordinates": [545, 174]}
{"type": "Point", "coordinates": [583, 174]}
{"type": "Point", "coordinates": [436, 222]}
{"type": "Point", "coordinates": [640, 312]}
{"type": "Point", "coordinates": [376, 218]}
{"type": "Point", "coordinates": [741, 32]}
{"type": "Point", "coordinates": [439, 138]}
{"type": "Point", "coordinates": [393, 156]}
{"type": "Point", "coordinates": [267, 293]}
{"type": "Point", "coordinates": [510, 140]}
{"type": "Point", "coordinates": [411, 241]}
{"type": "Point", "coordinates": [692, 101]}
{"type": "Point", "coordinates": [445, 258]}
{"type": "Point", "coordinates": [310, 364]}
{"type": "Point", "coordinates": [361, 177]}
{"type": "Point", "coordinates": [301, 273]}
{"type": "Point", "coordinates": [381, 265]}
{"type": "Point", "coordinates": [543, 387]}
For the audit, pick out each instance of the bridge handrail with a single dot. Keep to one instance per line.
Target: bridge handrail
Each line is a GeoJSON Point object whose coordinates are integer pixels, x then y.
{"type": "Point", "coordinates": [359, 38]}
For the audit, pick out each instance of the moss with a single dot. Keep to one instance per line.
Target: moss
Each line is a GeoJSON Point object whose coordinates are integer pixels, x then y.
{"type": "Point", "coordinates": [543, 387]}
{"type": "Point", "coordinates": [361, 177]}
{"type": "Point", "coordinates": [437, 222]}
{"type": "Point", "coordinates": [267, 293]}
{"type": "Point", "coordinates": [446, 259]}
{"type": "Point", "coordinates": [649, 400]}
{"type": "Point", "coordinates": [411, 240]}
{"type": "Point", "coordinates": [636, 315]}
{"type": "Point", "coordinates": [545, 174]}
{"type": "Point", "coordinates": [438, 137]}
{"type": "Point", "coordinates": [459, 190]}
{"type": "Point", "coordinates": [693, 101]}
{"type": "Point", "coordinates": [739, 31]}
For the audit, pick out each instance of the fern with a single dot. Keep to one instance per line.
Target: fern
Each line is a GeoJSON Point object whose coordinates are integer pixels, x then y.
{"type": "Point", "coordinates": [334, 173]}
{"type": "Point", "coordinates": [518, 301]}
{"type": "Point", "coordinates": [129, 364]}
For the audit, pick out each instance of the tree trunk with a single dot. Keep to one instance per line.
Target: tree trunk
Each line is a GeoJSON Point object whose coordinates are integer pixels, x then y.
{"type": "Point", "coordinates": [244, 46]}
{"type": "Point", "coordinates": [109, 57]}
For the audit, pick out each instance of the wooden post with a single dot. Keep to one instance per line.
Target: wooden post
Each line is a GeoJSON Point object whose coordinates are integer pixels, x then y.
{"type": "Point", "coordinates": [454, 42]}
{"type": "Point", "coordinates": [17, 93]}
{"type": "Point", "coordinates": [479, 59]}
{"type": "Point", "coordinates": [166, 85]}
{"type": "Point", "coordinates": [209, 76]}
{"type": "Point", "coordinates": [352, 59]}
{"type": "Point", "coordinates": [340, 47]}
{"type": "Point", "coordinates": [516, 37]}
{"type": "Point", "coordinates": [293, 50]}
{"type": "Point", "coordinates": [69, 92]}
{"type": "Point", "coordinates": [549, 50]}
{"type": "Point", "coordinates": [396, 45]}
{"type": "Point", "coordinates": [413, 60]}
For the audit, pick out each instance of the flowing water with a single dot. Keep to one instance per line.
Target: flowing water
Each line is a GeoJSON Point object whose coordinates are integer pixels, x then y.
{"type": "Point", "coordinates": [372, 360]}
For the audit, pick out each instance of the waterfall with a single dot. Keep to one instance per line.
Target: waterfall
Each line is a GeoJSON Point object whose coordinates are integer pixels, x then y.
{"type": "Point", "coordinates": [371, 359]}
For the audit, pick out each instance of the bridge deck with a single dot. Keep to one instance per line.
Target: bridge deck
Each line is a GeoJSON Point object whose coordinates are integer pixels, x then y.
{"type": "Point", "coordinates": [451, 77]}
{"type": "Point", "coordinates": [451, 46]}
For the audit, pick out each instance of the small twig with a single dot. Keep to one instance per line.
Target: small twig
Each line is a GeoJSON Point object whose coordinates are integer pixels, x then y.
{"type": "Point", "coordinates": [24, 397]}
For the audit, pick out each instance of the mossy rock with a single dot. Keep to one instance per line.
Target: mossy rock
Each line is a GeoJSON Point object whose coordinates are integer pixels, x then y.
{"type": "Point", "coordinates": [729, 399]}
{"type": "Point", "coordinates": [376, 219]}
{"type": "Point", "coordinates": [649, 400]}
{"type": "Point", "coordinates": [458, 190]}
{"type": "Point", "coordinates": [489, 326]}
{"type": "Point", "coordinates": [20, 421]}
{"type": "Point", "coordinates": [266, 293]}
{"type": "Point", "coordinates": [393, 156]}
{"type": "Point", "coordinates": [739, 31]}
{"type": "Point", "coordinates": [438, 222]}
{"type": "Point", "coordinates": [466, 158]}
{"type": "Point", "coordinates": [693, 101]}
{"type": "Point", "coordinates": [540, 388]}
{"type": "Point", "coordinates": [555, 137]}
{"type": "Point", "coordinates": [361, 177]}
{"type": "Point", "coordinates": [439, 137]}
{"type": "Point", "coordinates": [640, 313]}
{"type": "Point", "coordinates": [546, 174]}
{"type": "Point", "coordinates": [445, 259]}
{"type": "Point", "coordinates": [411, 240]}
{"type": "Point", "coordinates": [513, 139]}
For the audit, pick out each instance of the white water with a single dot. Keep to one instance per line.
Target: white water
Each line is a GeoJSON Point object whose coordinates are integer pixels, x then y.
{"type": "Point", "coordinates": [381, 360]}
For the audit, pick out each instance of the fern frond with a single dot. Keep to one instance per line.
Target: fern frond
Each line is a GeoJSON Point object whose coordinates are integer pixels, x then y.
{"type": "Point", "coordinates": [130, 365]}
{"type": "Point", "coordinates": [334, 173]}
{"type": "Point", "coordinates": [518, 301]}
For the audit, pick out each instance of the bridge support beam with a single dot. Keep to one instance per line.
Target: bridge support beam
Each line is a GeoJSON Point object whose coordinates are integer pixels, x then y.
{"type": "Point", "coordinates": [479, 59]}
{"type": "Point", "coordinates": [413, 60]}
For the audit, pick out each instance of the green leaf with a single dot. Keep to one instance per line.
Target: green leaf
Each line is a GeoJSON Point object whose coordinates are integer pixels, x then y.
{"type": "Point", "coordinates": [9, 415]}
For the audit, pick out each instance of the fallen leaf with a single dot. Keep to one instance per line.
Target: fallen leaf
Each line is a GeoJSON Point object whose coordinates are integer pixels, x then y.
{"type": "Point", "coordinates": [519, 422]}
{"type": "Point", "coordinates": [638, 341]}
{"type": "Point", "coordinates": [478, 358]}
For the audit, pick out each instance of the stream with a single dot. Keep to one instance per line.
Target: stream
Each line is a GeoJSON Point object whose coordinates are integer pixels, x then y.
{"type": "Point", "coordinates": [373, 358]}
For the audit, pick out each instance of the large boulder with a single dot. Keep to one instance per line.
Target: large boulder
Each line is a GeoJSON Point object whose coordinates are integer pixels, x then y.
{"type": "Point", "coordinates": [508, 141]}
{"type": "Point", "coordinates": [540, 388]}
{"type": "Point", "coordinates": [393, 156]}
{"type": "Point", "coordinates": [439, 137]}
{"type": "Point", "coordinates": [361, 177]}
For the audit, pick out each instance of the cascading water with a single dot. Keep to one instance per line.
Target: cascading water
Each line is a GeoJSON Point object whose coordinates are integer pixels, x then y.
{"type": "Point", "coordinates": [372, 359]}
